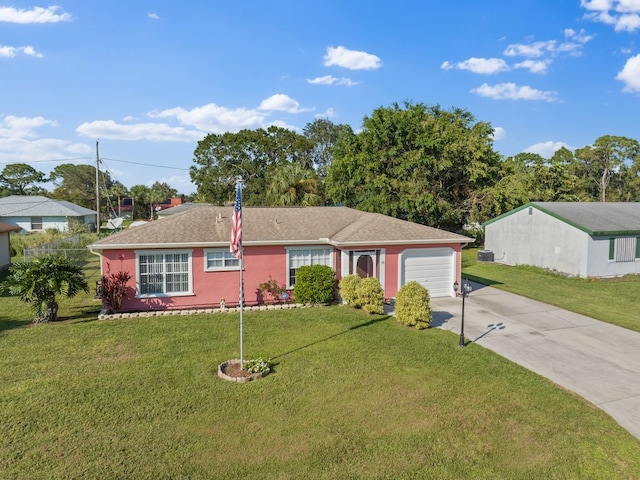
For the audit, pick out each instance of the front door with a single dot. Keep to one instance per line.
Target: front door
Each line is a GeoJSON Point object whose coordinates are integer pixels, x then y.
{"type": "Point", "coordinates": [364, 266]}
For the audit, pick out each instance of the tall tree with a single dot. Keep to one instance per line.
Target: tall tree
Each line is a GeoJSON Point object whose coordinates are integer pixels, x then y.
{"type": "Point", "coordinates": [118, 190]}
{"type": "Point", "coordinates": [323, 134]}
{"type": "Point", "coordinates": [251, 154]}
{"type": "Point", "coordinates": [292, 184]}
{"type": "Point", "coordinates": [604, 160]}
{"type": "Point", "coordinates": [20, 179]}
{"type": "Point", "coordinates": [140, 195]}
{"type": "Point", "coordinates": [40, 281]}
{"type": "Point", "coordinates": [416, 162]}
{"type": "Point", "coordinates": [77, 184]}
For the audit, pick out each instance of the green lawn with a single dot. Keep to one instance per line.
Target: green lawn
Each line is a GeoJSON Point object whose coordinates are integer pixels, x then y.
{"type": "Point", "coordinates": [613, 300]}
{"type": "Point", "coordinates": [353, 397]}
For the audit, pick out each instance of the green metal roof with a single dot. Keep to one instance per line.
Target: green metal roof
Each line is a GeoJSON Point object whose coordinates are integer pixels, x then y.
{"type": "Point", "coordinates": [594, 218]}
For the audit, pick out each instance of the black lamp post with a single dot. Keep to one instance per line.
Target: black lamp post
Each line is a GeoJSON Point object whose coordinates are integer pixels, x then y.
{"type": "Point", "coordinates": [464, 293]}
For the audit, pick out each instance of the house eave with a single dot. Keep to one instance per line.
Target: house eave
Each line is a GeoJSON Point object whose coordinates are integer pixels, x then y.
{"type": "Point", "coordinates": [320, 241]}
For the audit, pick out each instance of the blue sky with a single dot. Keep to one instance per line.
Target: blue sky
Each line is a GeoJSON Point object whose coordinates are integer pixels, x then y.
{"type": "Point", "coordinates": [148, 79]}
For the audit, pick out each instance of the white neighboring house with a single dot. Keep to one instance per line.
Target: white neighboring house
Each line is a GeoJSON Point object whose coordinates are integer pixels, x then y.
{"type": "Point", "coordinates": [34, 213]}
{"type": "Point", "coordinates": [5, 244]}
{"type": "Point", "coordinates": [585, 239]}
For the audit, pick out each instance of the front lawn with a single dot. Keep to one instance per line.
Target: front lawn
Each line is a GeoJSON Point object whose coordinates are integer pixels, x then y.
{"type": "Point", "coordinates": [353, 396]}
{"type": "Point", "coordinates": [614, 300]}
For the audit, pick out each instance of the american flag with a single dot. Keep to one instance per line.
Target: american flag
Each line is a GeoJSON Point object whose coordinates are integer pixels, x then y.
{"type": "Point", "coordinates": [236, 225]}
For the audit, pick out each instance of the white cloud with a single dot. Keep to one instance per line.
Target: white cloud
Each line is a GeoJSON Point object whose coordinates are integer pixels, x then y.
{"type": "Point", "coordinates": [214, 118]}
{"type": "Point", "coordinates": [331, 80]}
{"type": "Point", "coordinates": [547, 149]}
{"type": "Point", "coordinates": [282, 103]}
{"type": "Point", "coordinates": [194, 123]}
{"type": "Point", "coordinates": [511, 91]}
{"type": "Point", "coordinates": [328, 113]}
{"type": "Point", "coordinates": [601, 5]}
{"type": "Point", "coordinates": [153, 16]}
{"type": "Point", "coordinates": [532, 50]}
{"type": "Point", "coordinates": [534, 66]}
{"type": "Point", "coordinates": [580, 36]}
{"type": "Point", "coordinates": [487, 66]}
{"type": "Point", "coordinates": [548, 47]}
{"type": "Point", "coordinates": [624, 15]}
{"type": "Point", "coordinates": [499, 133]}
{"type": "Point", "coordinates": [157, 132]}
{"type": "Point", "coordinates": [53, 14]}
{"type": "Point", "coordinates": [351, 59]}
{"type": "Point", "coordinates": [10, 52]}
{"type": "Point", "coordinates": [20, 142]}
{"type": "Point", "coordinates": [630, 75]}
{"type": "Point", "coordinates": [23, 127]}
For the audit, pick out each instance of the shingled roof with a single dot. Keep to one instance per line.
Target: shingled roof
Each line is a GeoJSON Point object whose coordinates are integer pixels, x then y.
{"type": "Point", "coordinates": [594, 218]}
{"type": "Point", "coordinates": [39, 206]}
{"type": "Point", "coordinates": [341, 226]}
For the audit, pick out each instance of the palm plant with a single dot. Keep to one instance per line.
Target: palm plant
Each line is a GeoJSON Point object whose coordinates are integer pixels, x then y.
{"type": "Point", "coordinates": [292, 184]}
{"type": "Point", "coordinates": [40, 281]}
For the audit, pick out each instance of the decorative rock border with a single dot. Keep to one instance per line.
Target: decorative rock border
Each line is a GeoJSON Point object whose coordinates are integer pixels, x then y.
{"type": "Point", "coordinates": [200, 311]}
{"type": "Point", "coordinates": [222, 369]}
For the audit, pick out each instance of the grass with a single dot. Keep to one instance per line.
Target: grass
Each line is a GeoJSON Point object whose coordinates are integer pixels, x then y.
{"type": "Point", "coordinates": [353, 396]}
{"type": "Point", "coordinates": [613, 300]}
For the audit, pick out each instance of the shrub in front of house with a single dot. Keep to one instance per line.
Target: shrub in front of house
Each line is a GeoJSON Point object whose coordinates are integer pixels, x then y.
{"type": "Point", "coordinates": [370, 296]}
{"type": "Point", "coordinates": [348, 288]}
{"type": "Point", "coordinates": [413, 306]}
{"type": "Point", "coordinates": [315, 284]}
{"type": "Point", "coordinates": [271, 292]}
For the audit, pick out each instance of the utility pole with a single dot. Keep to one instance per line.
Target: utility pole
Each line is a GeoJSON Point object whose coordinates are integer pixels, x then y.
{"type": "Point", "coordinates": [97, 190]}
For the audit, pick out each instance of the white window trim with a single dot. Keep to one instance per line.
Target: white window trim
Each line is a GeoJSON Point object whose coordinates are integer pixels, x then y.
{"type": "Point", "coordinates": [314, 247]}
{"type": "Point", "coordinates": [164, 252]}
{"type": "Point", "coordinates": [218, 269]}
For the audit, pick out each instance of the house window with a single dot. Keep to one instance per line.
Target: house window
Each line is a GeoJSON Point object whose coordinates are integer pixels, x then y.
{"type": "Point", "coordinates": [623, 249]}
{"type": "Point", "coordinates": [220, 259]}
{"type": "Point", "coordinates": [36, 223]}
{"type": "Point", "coordinates": [299, 257]}
{"type": "Point", "coordinates": [164, 273]}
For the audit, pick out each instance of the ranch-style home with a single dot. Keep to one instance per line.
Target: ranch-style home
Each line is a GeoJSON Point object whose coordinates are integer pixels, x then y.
{"type": "Point", "coordinates": [183, 261]}
{"type": "Point", "coordinates": [35, 213]}
{"type": "Point", "coordinates": [586, 239]}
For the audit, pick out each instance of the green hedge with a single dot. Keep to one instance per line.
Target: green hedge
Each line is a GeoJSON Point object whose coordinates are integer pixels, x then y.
{"type": "Point", "coordinates": [413, 306]}
{"type": "Point", "coordinates": [315, 284]}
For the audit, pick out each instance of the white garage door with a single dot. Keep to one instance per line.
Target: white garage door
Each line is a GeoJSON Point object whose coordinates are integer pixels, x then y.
{"type": "Point", "coordinates": [433, 268]}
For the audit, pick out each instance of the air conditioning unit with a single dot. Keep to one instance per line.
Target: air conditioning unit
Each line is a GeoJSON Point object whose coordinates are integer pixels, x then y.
{"type": "Point", "coordinates": [485, 256]}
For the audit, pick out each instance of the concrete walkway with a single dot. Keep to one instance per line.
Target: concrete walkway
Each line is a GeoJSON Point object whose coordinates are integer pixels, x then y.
{"type": "Point", "coordinates": [596, 360]}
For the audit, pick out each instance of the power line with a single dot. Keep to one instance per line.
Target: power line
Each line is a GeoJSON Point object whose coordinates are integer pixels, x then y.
{"type": "Point", "coordinates": [144, 164]}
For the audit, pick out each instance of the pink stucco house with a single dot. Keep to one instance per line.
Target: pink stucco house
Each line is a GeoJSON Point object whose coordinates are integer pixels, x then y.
{"type": "Point", "coordinates": [183, 261]}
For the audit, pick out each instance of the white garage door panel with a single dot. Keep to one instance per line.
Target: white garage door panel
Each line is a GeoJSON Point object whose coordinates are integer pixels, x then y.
{"type": "Point", "coordinates": [433, 268]}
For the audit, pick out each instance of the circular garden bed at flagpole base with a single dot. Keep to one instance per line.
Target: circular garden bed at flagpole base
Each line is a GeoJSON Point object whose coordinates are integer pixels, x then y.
{"type": "Point", "coordinates": [232, 371]}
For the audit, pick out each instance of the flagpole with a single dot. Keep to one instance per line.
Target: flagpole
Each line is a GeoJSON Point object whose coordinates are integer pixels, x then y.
{"type": "Point", "coordinates": [241, 309]}
{"type": "Point", "coordinates": [237, 251]}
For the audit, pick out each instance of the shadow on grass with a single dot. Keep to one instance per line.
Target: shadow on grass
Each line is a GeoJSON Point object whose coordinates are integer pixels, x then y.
{"type": "Point", "coordinates": [8, 324]}
{"type": "Point", "coordinates": [368, 323]}
{"type": "Point", "coordinates": [485, 281]}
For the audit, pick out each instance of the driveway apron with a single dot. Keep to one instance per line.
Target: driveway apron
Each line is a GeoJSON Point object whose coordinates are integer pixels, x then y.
{"type": "Point", "coordinates": [598, 361]}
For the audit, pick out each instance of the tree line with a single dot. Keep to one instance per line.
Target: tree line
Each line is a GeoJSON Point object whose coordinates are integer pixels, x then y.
{"type": "Point", "coordinates": [411, 161]}
{"type": "Point", "coordinates": [77, 184]}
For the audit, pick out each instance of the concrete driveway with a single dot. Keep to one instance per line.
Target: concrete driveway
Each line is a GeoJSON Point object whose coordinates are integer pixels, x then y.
{"type": "Point", "coordinates": [596, 360]}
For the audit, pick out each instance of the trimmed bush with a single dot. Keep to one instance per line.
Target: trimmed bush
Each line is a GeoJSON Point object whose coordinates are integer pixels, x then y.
{"type": "Point", "coordinates": [315, 284]}
{"type": "Point", "coordinates": [348, 289]}
{"type": "Point", "coordinates": [413, 306]}
{"type": "Point", "coordinates": [370, 296]}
